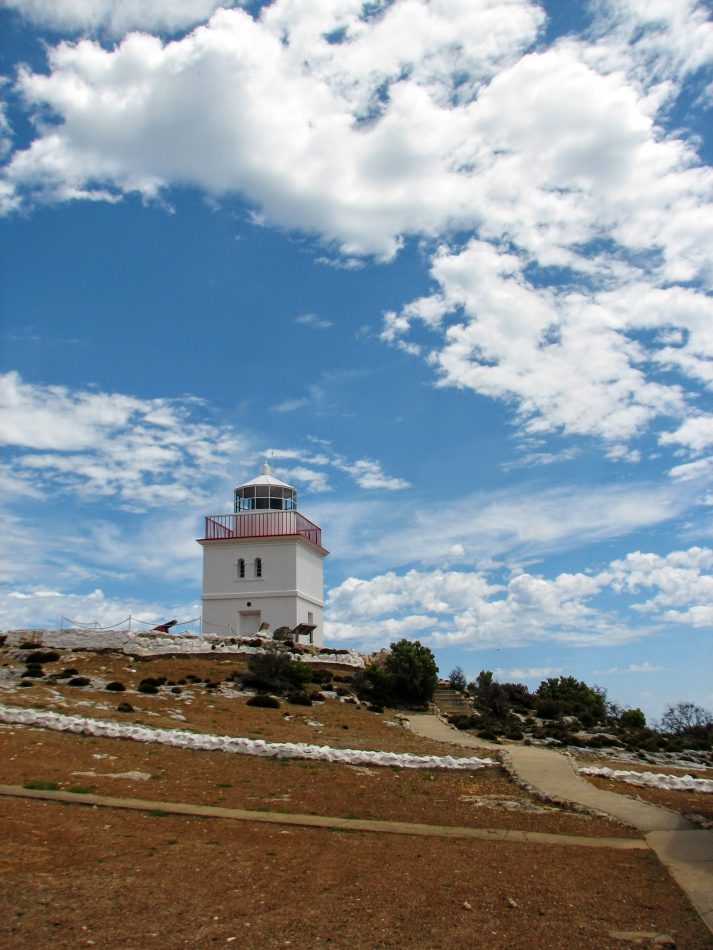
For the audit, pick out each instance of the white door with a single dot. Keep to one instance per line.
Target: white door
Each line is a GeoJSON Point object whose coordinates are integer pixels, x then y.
{"type": "Point", "coordinates": [249, 622]}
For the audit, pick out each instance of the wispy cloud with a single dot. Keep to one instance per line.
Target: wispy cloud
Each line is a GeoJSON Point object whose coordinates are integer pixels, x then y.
{"type": "Point", "coordinates": [145, 453]}
{"type": "Point", "coordinates": [312, 320]}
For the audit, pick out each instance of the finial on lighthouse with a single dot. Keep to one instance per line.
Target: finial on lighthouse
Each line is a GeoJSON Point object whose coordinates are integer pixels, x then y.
{"type": "Point", "coordinates": [265, 468]}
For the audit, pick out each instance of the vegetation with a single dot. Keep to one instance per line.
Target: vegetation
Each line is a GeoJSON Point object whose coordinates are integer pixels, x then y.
{"type": "Point", "coordinates": [274, 671]}
{"type": "Point", "coordinates": [407, 677]}
{"type": "Point", "coordinates": [264, 701]}
{"type": "Point", "coordinates": [456, 679]}
{"type": "Point", "coordinates": [567, 696]}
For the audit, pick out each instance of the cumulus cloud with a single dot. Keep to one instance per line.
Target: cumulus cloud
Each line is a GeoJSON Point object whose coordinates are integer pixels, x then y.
{"type": "Point", "coordinates": [577, 291]}
{"type": "Point", "coordinates": [469, 609]}
{"type": "Point", "coordinates": [145, 453]}
{"type": "Point", "coordinates": [115, 16]}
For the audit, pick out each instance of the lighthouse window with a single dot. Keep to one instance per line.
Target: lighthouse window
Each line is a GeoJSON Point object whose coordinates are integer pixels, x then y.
{"type": "Point", "coordinates": [241, 567]}
{"type": "Point", "coordinates": [258, 567]}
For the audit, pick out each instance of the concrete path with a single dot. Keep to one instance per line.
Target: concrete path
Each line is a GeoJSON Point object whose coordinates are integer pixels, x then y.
{"type": "Point", "coordinates": [504, 835]}
{"type": "Point", "coordinates": [686, 852]}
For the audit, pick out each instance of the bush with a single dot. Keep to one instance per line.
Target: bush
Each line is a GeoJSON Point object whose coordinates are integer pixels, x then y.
{"type": "Point", "coordinates": [277, 672]}
{"type": "Point", "coordinates": [632, 719]}
{"type": "Point", "coordinates": [35, 672]}
{"type": "Point", "coordinates": [463, 721]}
{"type": "Point", "coordinates": [575, 698]}
{"type": "Point", "coordinates": [375, 708]}
{"type": "Point", "coordinates": [299, 698]}
{"type": "Point", "coordinates": [115, 687]}
{"type": "Point", "coordinates": [147, 688]}
{"type": "Point", "coordinates": [42, 656]}
{"type": "Point", "coordinates": [125, 707]}
{"type": "Point", "coordinates": [152, 681]}
{"type": "Point", "coordinates": [407, 677]}
{"type": "Point", "coordinates": [264, 701]}
{"type": "Point", "coordinates": [321, 676]}
{"type": "Point", "coordinates": [79, 681]}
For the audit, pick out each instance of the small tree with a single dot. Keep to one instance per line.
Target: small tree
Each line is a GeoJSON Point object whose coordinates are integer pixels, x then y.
{"type": "Point", "coordinates": [407, 677]}
{"type": "Point", "coordinates": [456, 679]}
{"type": "Point", "coordinates": [686, 718]}
{"type": "Point", "coordinates": [632, 719]}
{"type": "Point", "coordinates": [490, 696]}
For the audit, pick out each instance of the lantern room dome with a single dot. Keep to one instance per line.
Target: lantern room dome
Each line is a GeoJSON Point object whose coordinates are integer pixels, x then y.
{"type": "Point", "coordinates": [265, 493]}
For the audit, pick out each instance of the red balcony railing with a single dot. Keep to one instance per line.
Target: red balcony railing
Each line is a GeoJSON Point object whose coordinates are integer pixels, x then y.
{"type": "Point", "coordinates": [264, 524]}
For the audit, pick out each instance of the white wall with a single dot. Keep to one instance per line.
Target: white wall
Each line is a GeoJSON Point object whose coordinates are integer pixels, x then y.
{"type": "Point", "coordinates": [291, 585]}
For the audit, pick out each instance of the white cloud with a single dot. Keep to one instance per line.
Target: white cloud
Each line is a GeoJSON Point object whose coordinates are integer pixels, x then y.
{"type": "Point", "coordinates": [578, 295]}
{"type": "Point", "coordinates": [38, 608]}
{"type": "Point", "coordinates": [116, 16]}
{"type": "Point", "coordinates": [527, 673]}
{"type": "Point", "coordinates": [312, 320]}
{"type": "Point", "coordinates": [644, 667]}
{"type": "Point", "coordinates": [146, 453]}
{"type": "Point", "coordinates": [366, 473]}
{"type": "Point", "coordinates": [570, 362]}
{"type": "Point", "coordinates": [696, 434]}
{"type": "Point", "coordinates": [679, 579]}
{"type": "Point", "coordinates": [465, 608]}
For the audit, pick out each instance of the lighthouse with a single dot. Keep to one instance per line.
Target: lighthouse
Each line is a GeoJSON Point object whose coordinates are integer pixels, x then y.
{"type": "Point", "coordinates": [263, 564]}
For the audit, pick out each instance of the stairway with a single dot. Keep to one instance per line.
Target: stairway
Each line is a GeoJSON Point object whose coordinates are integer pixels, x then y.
{"type": "Point", "coordinates": [451, 703]}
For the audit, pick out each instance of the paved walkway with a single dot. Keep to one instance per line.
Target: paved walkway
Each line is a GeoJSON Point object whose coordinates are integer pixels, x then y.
{"type": "Point", "coordinates": [685, 851]}
{"type": "Point", "coordinates": [504, 835]}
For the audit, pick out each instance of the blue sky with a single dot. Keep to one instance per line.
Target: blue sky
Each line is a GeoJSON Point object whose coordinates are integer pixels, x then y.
{"type": "Point", "coordinates": [447, 263]}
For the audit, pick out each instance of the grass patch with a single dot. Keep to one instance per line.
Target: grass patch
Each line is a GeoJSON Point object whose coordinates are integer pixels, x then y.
{"type": "Point", "coordinates": [81, 789]}
{"type": "Point", "coordinates": [41, 785]}
{"type": "Point", "coordinates": [157, 813]}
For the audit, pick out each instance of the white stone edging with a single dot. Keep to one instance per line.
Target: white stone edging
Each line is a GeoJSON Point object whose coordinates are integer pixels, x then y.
{"type": "Point", "coordinates": [178, 738]}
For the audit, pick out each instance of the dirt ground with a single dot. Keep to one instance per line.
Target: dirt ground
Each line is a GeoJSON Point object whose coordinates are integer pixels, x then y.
{"type": "Point", "coordinates": [77, 876]}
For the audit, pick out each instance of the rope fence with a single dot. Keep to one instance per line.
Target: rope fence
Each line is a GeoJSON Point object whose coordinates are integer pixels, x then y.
{"type": "Point", "coordinates": [68, 623]}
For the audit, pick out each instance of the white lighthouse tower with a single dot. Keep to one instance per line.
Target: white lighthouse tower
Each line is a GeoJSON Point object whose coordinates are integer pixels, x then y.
{"type": "Point", "coordinates": [263, 564]}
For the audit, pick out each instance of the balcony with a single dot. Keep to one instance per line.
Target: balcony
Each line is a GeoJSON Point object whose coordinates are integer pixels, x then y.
{"type": "Point", "coordinates": [264, 524]}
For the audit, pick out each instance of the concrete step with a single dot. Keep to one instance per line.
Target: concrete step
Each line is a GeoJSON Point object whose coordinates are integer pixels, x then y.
{"type": "Point", "coordinates": [451, 703]}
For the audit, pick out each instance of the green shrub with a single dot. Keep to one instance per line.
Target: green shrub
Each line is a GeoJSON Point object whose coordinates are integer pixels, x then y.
{"type": "Point", "coordinates": [575, 698]}
{"type": "Point", "coordinates": [115, 687]}
{"type": "Point", "coordinates": [632, 719]}
{"type": "Point", "coordinates": [299, 698]}
{"type": "Point", "coordinates": [125, 708]}
{"type": "Point", "coordinates": [277, 672]}
{"type": "Point", "coordinates": [79, 681]}
{"type": "Point", "coordinates": [264, 701]}
{"type": "Point", "coordinates": [321, 676]}
{"type": "Point", "coordinates": [147, 688]}
{"type": "Point", "coordinates": [41, 785]}
{"type": "Point", "coordinates": [42, 656]}
{"type": "Point", "coordinates": [407, 677]}
{"type": "Point", "coordinates": [65, 674]}
{"type": "Point", "coordinates": [464, 721]}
